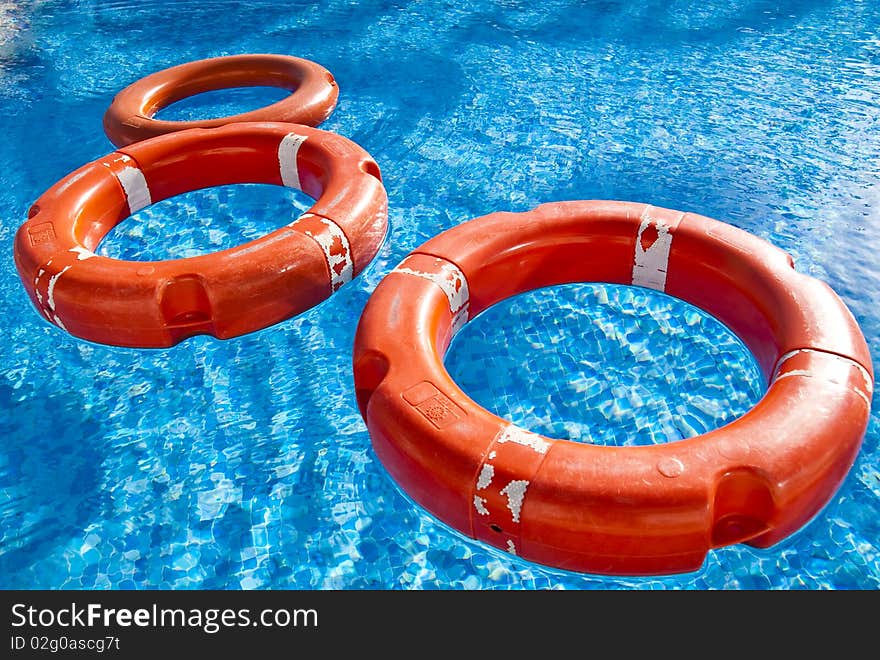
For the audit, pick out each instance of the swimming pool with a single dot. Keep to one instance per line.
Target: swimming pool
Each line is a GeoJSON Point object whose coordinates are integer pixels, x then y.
{"type": "Point", "coordinates": [245, 463]}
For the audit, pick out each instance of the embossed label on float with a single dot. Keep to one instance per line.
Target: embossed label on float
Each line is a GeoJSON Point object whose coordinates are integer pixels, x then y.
{"type": "Point", "coordinates": [41, 233]}
{"type": "Point", "coordinates": [435, 406]}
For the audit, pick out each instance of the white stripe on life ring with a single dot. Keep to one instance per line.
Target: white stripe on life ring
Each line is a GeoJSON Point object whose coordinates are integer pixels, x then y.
{"type": "Point", "coordinates": [336, 248]}
{"type": "Point", "coordinates": [137, 192]}
{"type": "Point", "coordinates": [287, 151]}
{"type": "Point", "coordinates": [452, 282]}
{"type": "Point", "coordinates": [651, 263]}
{"type": "Point", "coordinates": [449, 278]}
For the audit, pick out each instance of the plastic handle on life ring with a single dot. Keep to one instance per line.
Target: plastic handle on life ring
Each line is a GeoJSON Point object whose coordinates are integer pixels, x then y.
{"type": "Point", "coordinates": [633, 510]}
{"type": "Point", "coordinates": [226, 293]}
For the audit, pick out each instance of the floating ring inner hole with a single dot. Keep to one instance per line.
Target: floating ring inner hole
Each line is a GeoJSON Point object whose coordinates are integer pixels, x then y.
{"type": "Point", "coordinates": [221, 103]}
{"type": "Point", "coordinates": [605, 364]}
{"type": "Point", "coordinates": [204, 221]}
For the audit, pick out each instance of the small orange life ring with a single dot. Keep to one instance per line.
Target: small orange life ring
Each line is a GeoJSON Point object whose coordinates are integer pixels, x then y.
{"type": "Point", "coordinates": [633, 510]}
{"type": "Point", "coordinates": [314, 93]}
{"type": "Point", "coordinates": [224, 294]}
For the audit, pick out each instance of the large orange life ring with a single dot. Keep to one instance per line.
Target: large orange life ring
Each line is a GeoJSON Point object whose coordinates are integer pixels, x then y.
{"type": "Point", "coordinates": [314, 93]}
{"type": "Point", "coordinates": [227, 293]}
{"type": "Point", "coordinates": [636, 510]}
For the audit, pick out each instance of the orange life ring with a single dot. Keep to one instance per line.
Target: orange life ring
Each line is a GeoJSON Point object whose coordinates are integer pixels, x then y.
{"type": "Point", "coordinates": [635, 510]}
{"type": "Point", "coordinates": [227, 293]}
{"type": "Point", "coordinates": [314, 93]}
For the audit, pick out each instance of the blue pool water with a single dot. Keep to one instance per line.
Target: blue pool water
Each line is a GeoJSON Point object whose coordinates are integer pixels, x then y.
{"type": "Point", "coordinates": [244, 463]}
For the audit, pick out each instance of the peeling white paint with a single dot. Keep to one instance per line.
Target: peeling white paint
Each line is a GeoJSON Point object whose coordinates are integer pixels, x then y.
{"type": "Point", "coordinates": [450, 279]}
{"type": "Point", "coordinates": [787, 356]}
{"type": "Point", "coordinates": [492, 454]}
{"type": "Point", "coordinates": [513, 433]}
{"type": "Point", "coordinates": [866, 377]}
{"type": "Point", "coordinates": [794, 372]}
{"type": "Point", "coordinates": [132, 180]}
{"type": "Point", "coordinates": [460, 318]}
{"type": "Point", "coordinates": [480, 505]}
{"type": "Point", "coordinates": [869, 383]}
{"type": "Point", "coordinates": [340, 264]}
{"type": "Point", "coordinates": [651, 263]}
{"type": "Point", "coordinates": [287, 151]}
{"type": "Point", "coordinates": [82, 253]}
{"type": "Point", "coordinates": [57, 321]}
{"type": "Point", "coordinates": [37, 285]}
{"type": "Point", "coordinates": [40, 300]}
{"type": "Point", "coordinates": [50, 290]}
{"type": "Point", "coordinates": [516, 492]}
{"type": "Point", "coordinates": [302, 217]}
{"type": "Point", "coordinates": [864, 397]}
{"type": "Point", "coordinates": [809, 374]}
{"type": "Point", "coordinates": [511, 548]}
{"type": "Point", "coordinates": [485, 477]}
